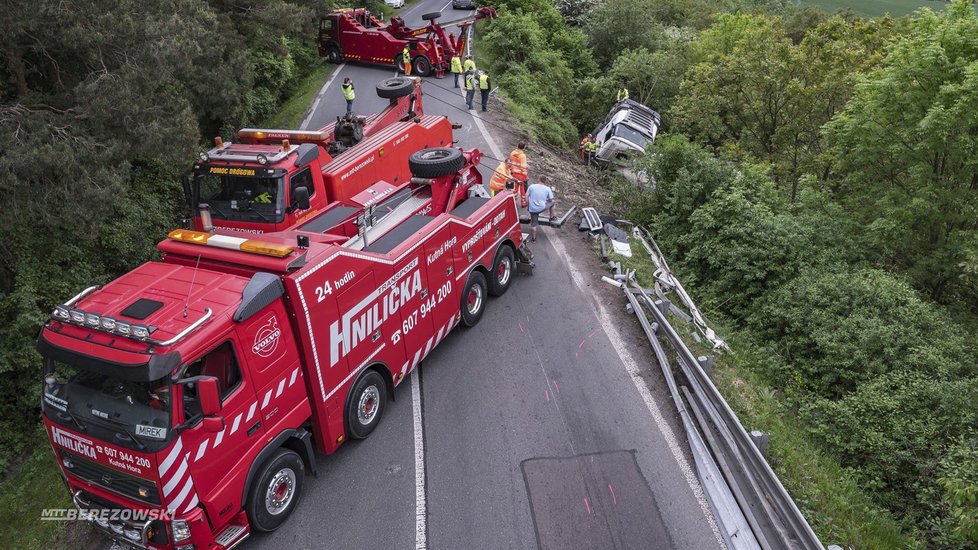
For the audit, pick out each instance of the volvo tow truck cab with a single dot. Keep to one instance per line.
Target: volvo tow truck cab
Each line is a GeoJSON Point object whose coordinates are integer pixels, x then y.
{"type": "Point", "coordinates": [626, 131]}
{"type": "Point", "coordinates": [191, 392]}
{"type": "Point", "coordinates": [270, 180]}
{"type": "Point", "coordinates": [354, 34]}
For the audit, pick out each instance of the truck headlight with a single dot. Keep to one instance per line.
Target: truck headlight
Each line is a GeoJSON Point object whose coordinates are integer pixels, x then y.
{"type": "Point", "coordinates": [133, 534]}
{"type": "Point", "coordinates": [180, 529]}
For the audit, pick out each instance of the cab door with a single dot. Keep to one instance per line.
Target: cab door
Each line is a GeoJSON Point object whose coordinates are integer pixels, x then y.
{"type": "Point", "coordinates": [215, 459]}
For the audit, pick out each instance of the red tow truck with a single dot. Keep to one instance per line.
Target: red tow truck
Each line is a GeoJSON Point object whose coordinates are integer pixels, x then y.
{"type": "Point", "coordinates": [273, 179]}
{"type": "Point", "coordinates": [357, 35]}
{"type": "Point", "coordinates": [184, 400]}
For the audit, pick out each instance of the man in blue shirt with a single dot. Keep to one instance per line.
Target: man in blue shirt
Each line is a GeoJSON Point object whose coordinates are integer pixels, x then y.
{"type": "Point", "coordinates": [540, 197]}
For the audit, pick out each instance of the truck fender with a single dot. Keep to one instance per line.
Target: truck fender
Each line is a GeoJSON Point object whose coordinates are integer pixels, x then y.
{"type": "Point", "coordinates": [298, 440]}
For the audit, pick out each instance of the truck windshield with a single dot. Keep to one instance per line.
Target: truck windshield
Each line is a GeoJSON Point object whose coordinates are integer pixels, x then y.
{"type": "Point", "coordinates": [632, 136]}
{"type": "Point", "coordinates": [135, 415]}
{"type": "Point", "coordinates": [241, 198]}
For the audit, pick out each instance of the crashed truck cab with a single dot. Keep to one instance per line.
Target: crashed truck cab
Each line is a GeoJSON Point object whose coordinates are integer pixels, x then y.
{"type": "Point", "coordinates": [270, 180]}
{"type": "Point", "coordinates": [627, 130]}
{"type": "Point", "coordinates": [150, 396]}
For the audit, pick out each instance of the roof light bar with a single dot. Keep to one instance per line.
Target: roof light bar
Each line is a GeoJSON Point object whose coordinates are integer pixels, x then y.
{"type": "Point", "coordinates": [103, 323]}
{"type": "Point", "coordinates": [278, 135]}
{"type": "Point", "coordinates": [231, 243]}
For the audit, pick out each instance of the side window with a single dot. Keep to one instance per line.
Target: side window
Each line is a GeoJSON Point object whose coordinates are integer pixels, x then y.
{"type": "Point", "coordinates": [303, 178]}
{"type": "Point", "coordinates": [221, 363]}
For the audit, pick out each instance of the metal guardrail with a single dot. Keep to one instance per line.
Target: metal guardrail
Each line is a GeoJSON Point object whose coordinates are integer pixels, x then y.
{"type": "Point", "coordinates": [751, 505]}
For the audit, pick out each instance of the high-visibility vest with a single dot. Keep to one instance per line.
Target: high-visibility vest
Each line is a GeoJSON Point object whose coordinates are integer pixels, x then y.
{"type": "Point", "coordinates": [622, 94]}
{"type": "Point", "coordinates": [591, 147]}
{"type": "Point", "coordinates": [456, 64]}
{"type": "Point", "coordinates": [348, 92]}
{"type": "Point", "coordinates": [518, 165]}
{"type": "Point", "coordinates": [469, 64]}
{"type": "Point", "coordinates": [406, 55]}
{"type": "Point", "coordinates": [498, 181]}
{"type": "Point", "coordinates": [483, 81]}
{"type": "Point", "coordinates": [470, 82]}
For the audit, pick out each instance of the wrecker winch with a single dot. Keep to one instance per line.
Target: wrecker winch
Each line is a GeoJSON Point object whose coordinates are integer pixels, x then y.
{"type": "Point", "coordinates": [191, 391]}
{"type": "Point", "coordinates": [357, 35]}
{"type": "Point", "coordinates": [273, 179]}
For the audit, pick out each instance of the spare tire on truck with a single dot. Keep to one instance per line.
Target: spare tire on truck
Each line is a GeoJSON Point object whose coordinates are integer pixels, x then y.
{"type": "Point", "coordinates": [393, 88]}
{"type": "Point", "coordinates": [435, 162]}
{"type": "Point", "coordinates": [431, 16]}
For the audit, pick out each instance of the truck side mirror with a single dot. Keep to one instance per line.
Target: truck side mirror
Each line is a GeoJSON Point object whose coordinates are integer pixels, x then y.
{"type": "Point", "coordinates": [300, 198]}
{"type": "Point", "coordinates": [209, 396]}
{"type": "Point", "coordinates": [213, 424]}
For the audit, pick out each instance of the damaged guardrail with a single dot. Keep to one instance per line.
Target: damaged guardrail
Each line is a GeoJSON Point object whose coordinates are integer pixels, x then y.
{"type": "Point", "coordinates": [751, 506]}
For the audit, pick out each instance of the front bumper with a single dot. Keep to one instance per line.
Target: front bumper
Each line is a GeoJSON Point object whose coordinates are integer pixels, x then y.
{"type": "Point", "coordinates": [124, 531]}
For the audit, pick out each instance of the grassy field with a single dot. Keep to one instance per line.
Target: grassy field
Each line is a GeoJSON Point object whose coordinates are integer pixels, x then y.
{"type": "Point", "coordinates": [876, 8]}
{"type": "Point", "coordinates": [290, 113]}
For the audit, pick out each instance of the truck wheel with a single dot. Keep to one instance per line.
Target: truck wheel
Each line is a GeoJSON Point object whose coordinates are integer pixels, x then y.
{"type": "Point", "coordinates": [473, 299]}
{"type": "Point", "coordinates": [431, 16]}
{"type": "Point", "coordinates": [393, 88]}
{"type": "Point", "coordinates": [502, 270]}
{"type": "Point", "coordinates": [435, 162]}
{"type": "Point", "coordinates": [422, 66]}
{"type": "Point", "coordinates": [333, 54]}
{"type": "Point", "coordinates": [366, 404]}
{"type": "Point", "coordinates": [276, 491]}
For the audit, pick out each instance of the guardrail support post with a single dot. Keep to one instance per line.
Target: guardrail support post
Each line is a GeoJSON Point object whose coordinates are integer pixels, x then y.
{"type": "Point", "coordinates": [706, 363]}
{"type": "Point", "coordinates": [761, 441]}
{"type": "Point", "coordinates": [663, 306]}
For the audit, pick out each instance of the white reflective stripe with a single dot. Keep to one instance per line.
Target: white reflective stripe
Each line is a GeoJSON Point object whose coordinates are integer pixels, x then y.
{"type": "Point", "coordinates": [223, 241]}
{"type": "Point", "coordinates": [268, 396]}
{"type": "Point", "coordinates": [417, 357]}
{"type": "Point", "coordinates": [172, 457]}
{"type": "Point", "coordinates": [281, 386]}
{"type": "Point", "coordinates": [193, 502]}
{"type": "Point", "coordinates": [168, 488]}
{"type": "Point", "coordinates": [251, 411]}
{"type": "Point", "coordinates": [355, 371]}
{"type": "Point", "coordinates": [201, 450]}
{"type": "Point", "coordinates": [438, 338]}
{"type": "Point", "coordinates": [292, 378]}
{"type": "Point", "coordinates": [178, 500]}
{"type": "Point", "coordinates": [237, 422]}
{"type": "Point", "coordinates": [404, 367]}
{"type": "Point", "coordinates": [427, 348]}
{"type": "Point", "coordinates": [219, 438]}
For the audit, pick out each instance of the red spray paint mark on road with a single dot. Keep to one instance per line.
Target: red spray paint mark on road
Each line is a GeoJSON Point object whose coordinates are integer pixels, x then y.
{"type": "Point", "coordinates": [521, 327]}
{"type": "Point", "coordinates": [547, 393]}
{"type": "Point", "coordinates": [556, 386]}
{"type": "Point", "coordinates": [587, 505]}
{"type": "Point", "coordinates": [614, 498]}
{"type": "Point", "coordinates": [582, 344]}
{"type": "Point", "coordinates": [593, 332]}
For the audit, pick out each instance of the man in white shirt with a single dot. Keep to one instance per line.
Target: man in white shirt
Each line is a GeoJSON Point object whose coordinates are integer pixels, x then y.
{"type": "Point", "coordinates": [540, 197]}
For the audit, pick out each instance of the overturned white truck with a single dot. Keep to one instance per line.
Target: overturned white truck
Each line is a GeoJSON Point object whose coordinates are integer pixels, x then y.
{"type": "Point", "coordinates": [628, 128]}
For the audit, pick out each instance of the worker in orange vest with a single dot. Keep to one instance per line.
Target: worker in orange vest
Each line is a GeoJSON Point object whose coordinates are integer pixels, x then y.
{"type": "Point", "coordinates": [499, 178]}
{"type": "Point", "coordinates": [520, 170]}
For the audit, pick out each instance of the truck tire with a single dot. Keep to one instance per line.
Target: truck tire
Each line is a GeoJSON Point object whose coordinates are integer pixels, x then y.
{"type": "Point", "coordinates": [366, 404]}
{"type": "Point", "coordinates": [435, 162]}
{"type": "Point", "coordinates": [422, 66]}
{"type": "Point", "coordinates": [431, 16]}
{"type": "Point", "coordinates": [333, 54]}
{"type": "Point", "coordinates": [503, 267]}
{"type": "Point", "coordinates": [393, 88]}
{"type": "Point", "coordinates": [474, 299]}
{"type": "Point", "coordinates": [276, 491]}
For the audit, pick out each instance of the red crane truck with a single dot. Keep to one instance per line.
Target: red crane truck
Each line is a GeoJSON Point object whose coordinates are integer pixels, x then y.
{"type": "Point", "coordinates": [357, 35]}
{"type": "Point", "coordinates": [273, 179]}
{"type": "Point", "coordinates": [184, 399]}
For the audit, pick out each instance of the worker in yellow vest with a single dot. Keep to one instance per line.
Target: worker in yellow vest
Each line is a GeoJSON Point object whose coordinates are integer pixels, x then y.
{"type": "Point", "coordinates": [499, 178]}
{"type": "Point", "coordinates": [469, 65]}
{"type": "Point", "coordinates": [590, 150]}
{"type": "Point", "coordinates": [349, 94]}
{"type": "Point", "coordinates": [456, 67]}
{"type": "Point", "coordinates": [471, 82]}
{"type": "Point", "coordinates": [406, 60]}
{"type": "Point", "coordinates": [587, 139]}
{"type": "Point", "coordinates": [485, 86]}
{"type": "Point", "coordinates": [622, 93]}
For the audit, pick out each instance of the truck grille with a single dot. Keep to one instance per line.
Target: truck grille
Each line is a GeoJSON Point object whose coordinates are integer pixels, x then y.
{"type": "Point", "coordinates": [110, 479]}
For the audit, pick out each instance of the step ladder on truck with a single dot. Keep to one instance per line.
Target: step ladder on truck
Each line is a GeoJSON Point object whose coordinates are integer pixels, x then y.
{"type": "Point", "coordinates": [192, 391]}
{"type": "Point", "coordinates": [354, 34]}
{"type": "Point", "coordinates": [272, 179]}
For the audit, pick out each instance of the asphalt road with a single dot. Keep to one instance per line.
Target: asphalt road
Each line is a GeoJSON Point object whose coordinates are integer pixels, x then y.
{"type": "Point", "coordinates": [530, 430]}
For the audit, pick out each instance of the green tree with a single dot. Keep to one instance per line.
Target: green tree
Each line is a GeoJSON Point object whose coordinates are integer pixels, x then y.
{"type": "Point", "coordinates": [616, 25]}
{"type": "Point", "coordinates": [904, 153]}
{"type": "Point", "coordinates": [652, 78]}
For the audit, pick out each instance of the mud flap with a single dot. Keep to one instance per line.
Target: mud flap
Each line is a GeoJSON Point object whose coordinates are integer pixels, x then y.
{"type": "Point", "coordinates": [524, 259]}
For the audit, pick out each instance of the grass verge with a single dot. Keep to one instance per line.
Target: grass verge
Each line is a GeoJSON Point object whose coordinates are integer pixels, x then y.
{"type": "Point", "coordinates": [290, 112]}
{"type": "Point", "coordinates": [832, 502]}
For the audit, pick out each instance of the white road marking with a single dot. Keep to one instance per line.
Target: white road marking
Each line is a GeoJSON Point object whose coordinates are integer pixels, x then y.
{"type": "Point", "coordinates": [420, 498]}
{"type": "Point", "coordinates": [634, 372]}
{"type": "Point", "coordinates": [322, 91]}
{"type": "Point", "coordinates": [485, 134]}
